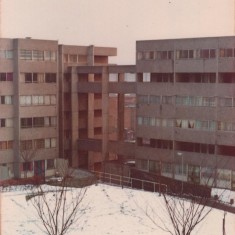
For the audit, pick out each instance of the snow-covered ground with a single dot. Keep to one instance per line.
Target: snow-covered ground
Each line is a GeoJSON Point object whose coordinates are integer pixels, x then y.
{"type": "Point", "coordinates": [109, 210]}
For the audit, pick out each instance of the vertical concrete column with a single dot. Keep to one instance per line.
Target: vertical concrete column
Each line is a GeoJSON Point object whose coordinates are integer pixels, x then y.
{"type": "Point", "coordinates": [105, 113]}
{"type": "Point", "coordinates": [90, 61]}
{"type": "Point", "coordinates": [90, 122]}
{"type": "Point", "coordinates": [74, 117]}
{"type": "Point", "coordinates": [90, 55]}
{"type": "Point", "coordinates": [60, 103]}
{"type": "Point", "coordinates": [16, 82]}
{"type": "Point", "coordinates": [216, 115]}
{"type": "Point", "coordinates": [121, 113]}
{"type": "Point", "coordinates": [91, 109]}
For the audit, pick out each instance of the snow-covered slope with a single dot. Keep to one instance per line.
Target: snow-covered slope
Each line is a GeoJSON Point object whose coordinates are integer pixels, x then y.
{"type": "Point", "coordinates": [109, 210]}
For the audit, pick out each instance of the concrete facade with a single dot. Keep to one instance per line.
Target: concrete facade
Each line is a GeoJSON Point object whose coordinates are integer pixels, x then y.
{"type": "Point", "coordinates": [172, 112]}
{"type": "Point", "coordinates": [29, 108]}
{"type": "Point", "coordinates": [185, 92]}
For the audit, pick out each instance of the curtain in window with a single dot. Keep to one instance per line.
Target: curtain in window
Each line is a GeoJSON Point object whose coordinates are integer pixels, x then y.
{"type": "Point", "coordinates": [185, 123]}
{"type": "Point", "coordinates": [28, 100]}
{"type": "Point", "coordinates": [53, 99]}
{"type": "Point", "coordinates": [53, 142]}
{"type": "Point", "coordinates": [47, 100]}
{"type": "Point", "coordinates": [22, 100]}
{"type": "Point", "coordinates": [40, 100]}
{"type": "Point", "coordinates": [47, 143]}
{"type": "Point", "coordinates": [8, 99]}
{"type": "Point", "coordinates": [46, 121]}
{"type": "Point", "coordinates": [9, 122]}
{"type": "Point", "coordinates": [53, 121]}
{"type": "Point", "coordinates": [178, 123]}
{"type": "Point", "coordinates": [35, 100]}
{"type": "Point", "coordinates": [152, 121]}
{"type": "Point", "coordinates": [140, 120]}
{"type": "Point", "coordinates": [191, 123]}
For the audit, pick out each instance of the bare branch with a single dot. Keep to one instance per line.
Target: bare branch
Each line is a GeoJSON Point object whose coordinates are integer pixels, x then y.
{"type": "Point", "coordinates": [58, 207]}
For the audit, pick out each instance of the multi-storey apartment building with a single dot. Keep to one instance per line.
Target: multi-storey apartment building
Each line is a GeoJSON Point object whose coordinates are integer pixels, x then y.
{"type": "Point", "coordinates": [185, 114]}
{"type": "Point", "coordinates": [111, 86]}
{"type": "Point", "coordinates": [80, 112]}
{"type": "Point", "coordinates": [28, 108]}
{"type": "Point", "coordinates": [39, 104]}
{"type": "Point", "coordinates": [69, 102]}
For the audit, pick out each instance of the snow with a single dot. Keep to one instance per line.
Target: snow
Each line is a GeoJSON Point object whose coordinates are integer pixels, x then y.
{"type": "Point", "coordinates": [108, 210]}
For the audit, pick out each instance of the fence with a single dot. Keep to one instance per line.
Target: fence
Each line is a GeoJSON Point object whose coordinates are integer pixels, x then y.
{"type": "Point", "coordinates": [129, 182]}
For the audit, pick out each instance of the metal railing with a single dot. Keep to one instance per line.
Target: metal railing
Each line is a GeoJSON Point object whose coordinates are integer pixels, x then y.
{"type": "Point", "coordinates": [129, 182]}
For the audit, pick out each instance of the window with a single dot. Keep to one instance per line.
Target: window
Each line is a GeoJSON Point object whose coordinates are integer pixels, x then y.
{"type": "Point", "coordinates": [6, 77]}
{"type": "Point", "coordinates": [178, 123]}
{"type": "Point", "coordinates": [26, 100]}
{"type": "Point", "coordinates": [166, 167]}
{"type": "Point", "coordinates": [155, 99]}
{"type": "Point", "coordinates": [152, 121]}
{"type": "Point", "coordinates": [9, 54]}
{"type": "Point", "coordinates": [50, 164]}
{"type": "Point", "coordinates": [40, 77]}
{"type": "Point", "coordinates": [158, 122]}
{"type": "Point", "coordinates": [149, 55]}
{"type": "Point", "coordinates": [40, 100]}
{"type": "Point", "coordinates": [26, 122]}
{"type": "Point", "coordinates": [53, 121]}
{"type": "Point", "coordinates": [39, 143]}
{"type": "Point", "coordinates": [140, 55]}
{"type": "Point", "coordinates": [142, 164]}
{"type": "Point", "coordinates": [7, 99]}
{"type": "Point", "coordinates": [53, 99]}
{"type": "Point", "coordinates": [38, 122]}
{"type": "Point", "coordinates": [73, 58]}
{"type": "Point", "coordinates": [50, 77]}
{"type": "Point", "coordinates": [7, 122]}
{"type": "Point", "coordinates": [38, 55]}
{"type": "Point", "coordinates": [196, 53]}
{"type": "Point", "coordinates": [6, 54]}
{"type": "Point", "coordinates": [143, 99]}
{"type": "Point", "coordinates": [66, 58]}
{"type": "Point", "coordinates": [27, 166]}
{"type": "Point", "coordinates": [154, 166]}
{"type": "Point", "coordinates": [212, 53]}
{"type": "Point", "coordinates": [226, 52]}
{"type": "Point", "coordinates": [146, 77]}
{"type": "Point", "coordinates": [47, 143]}
{"type": "Point", "coordinates": [53, 142]}
{"type": "Point", "coordinates": [183, 54]}
{"type": "Point", "coordinates": [50, 55]}
{"type": "Point", "coordinates": [205, 54]}
{"type": "Point", "coordinates": [184, 124]}
{"type": "Point", "coordinates": [26, 54]}
{"type": "Point", "coordinates": [140, 121]}
{"type": "Point", "coordinates": [3, 145]}
{"type": "Point", "coordinates": [47, 121]}
{"type": "Point", "coordinates": [2, 122]}
{"type": "Point", "coordinates": [35, 78]}
{"type": "Point", "coordinates": [26, 144]}
{"type": "Point", "coordinates": [28, 77]}
{"type": "Point", "coordinates": [226, 101]}
{"type": "Point", "coordinates": [3, 77]}
{"type": "Point", "coordinates": [162, 77]}
{"type": "Point", "coordinates": [47, 100]}
{"type": "Point", "coordinates": [165, 55]}
{"type": "Point", "coordinates": [146, 121]}
{"type": "Point", "coordinates": [212, 125]}
{"type": "Point", "coordinates": [167, 99]}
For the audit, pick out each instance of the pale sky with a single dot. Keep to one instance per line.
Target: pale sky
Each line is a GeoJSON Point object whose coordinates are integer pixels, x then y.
{"type": "Point", "coordinates": [116, 23]}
